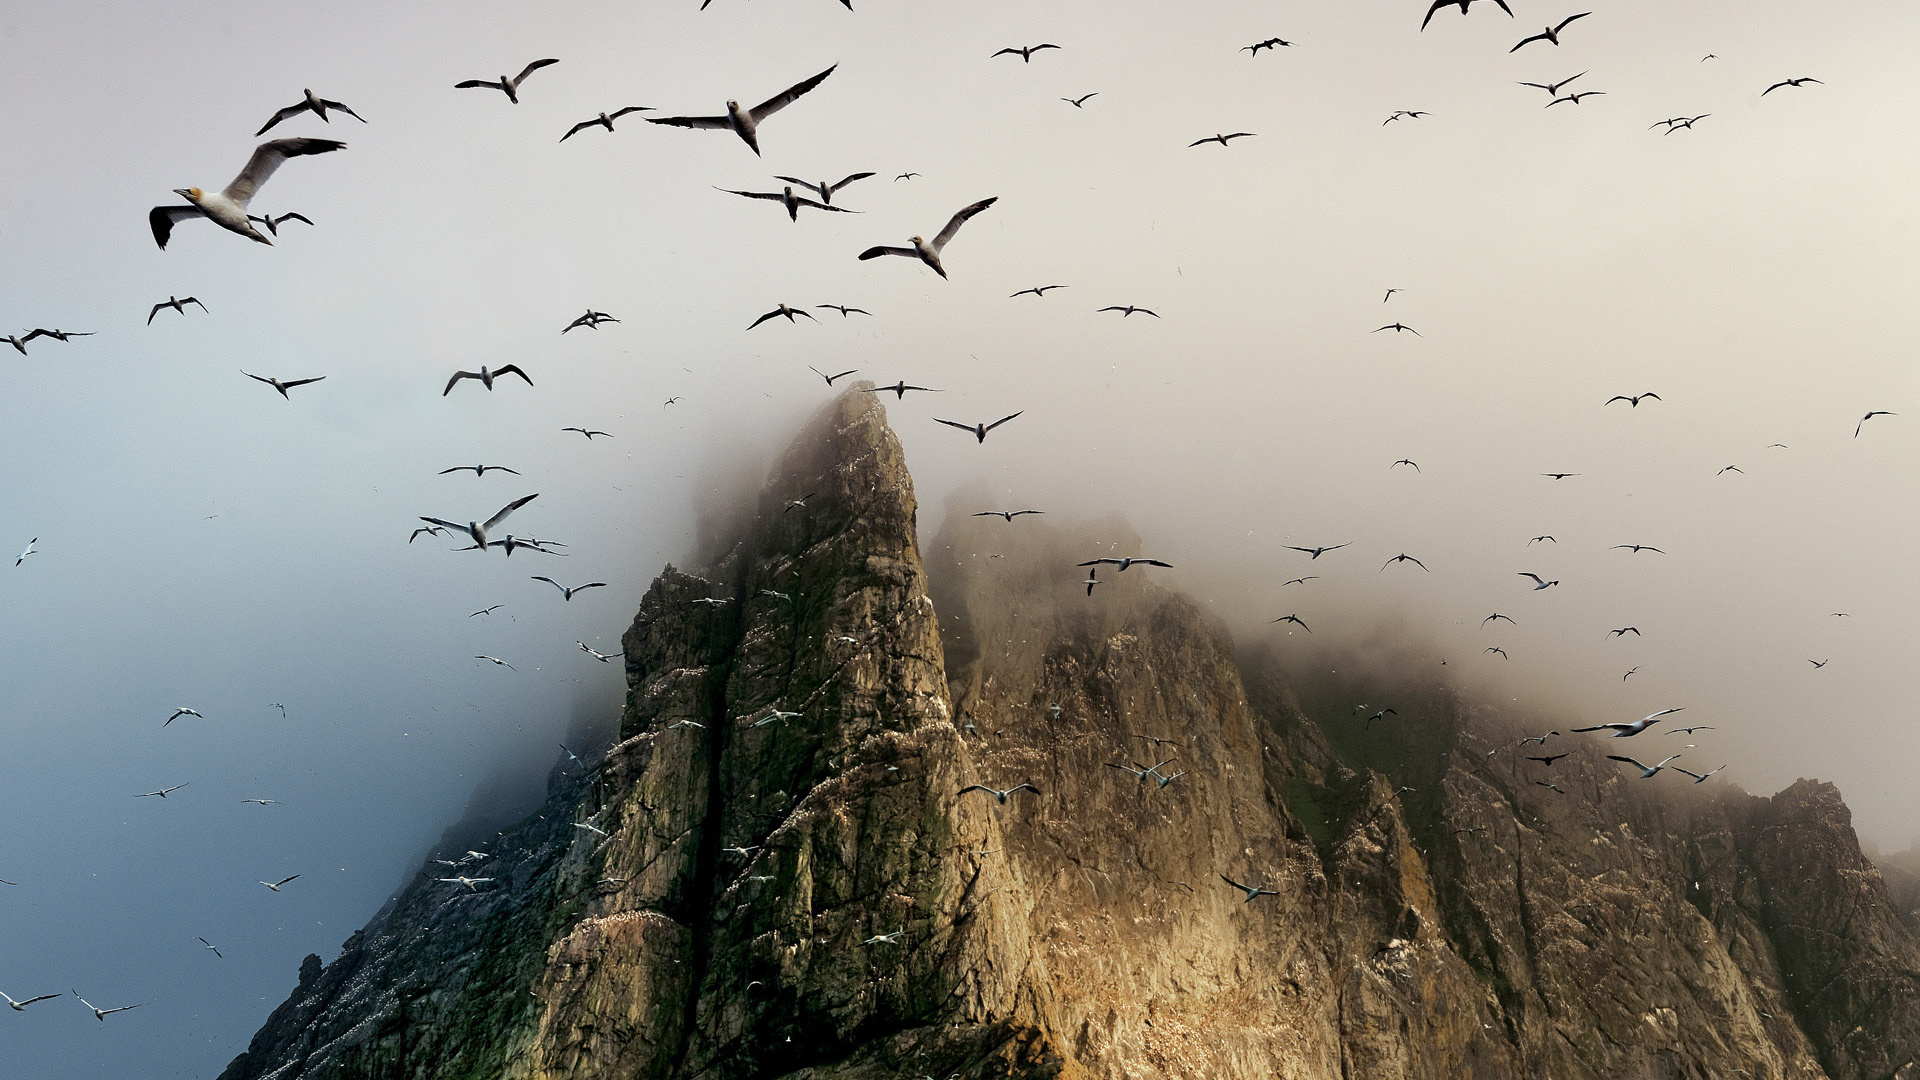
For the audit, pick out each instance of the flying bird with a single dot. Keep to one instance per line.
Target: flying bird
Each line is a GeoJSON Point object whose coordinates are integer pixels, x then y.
{"type": "Point", "coordinates": [799, 503]}
{"type": "Point", "coordinates": [469, 882]}
{"type": "Point", "coordinates": [29, 551]}
{"type": "Point", "coordinates": [999, 796]}
{"type": "Point", "coordinates": [1399, 328]}
{"type": "Point", "coordinates": [824, 189]}
{"type": "Point", "coordinates": [844, 310]}
{"type": "Point", "coordinates": [1463, 5]}
{"type": "Point", "coordinates": [99, 1013]}
{"type": "Point", "coordinates": [180, 712]}
{"type": "Point", "coordinates": [1404, 114]}
{"type": "Point", "coordinates": [1632, 399]}
{"type": "Point", "coordinates": [1252, 891]}
{"type": "Point", "coordinates": [1540, 538]}
{"type": "Point", "coordinates": [57, 335]}
{"type": "Point", "coordinates": [1856, 427]}
{"type": "Point", "coordinates": [929, 253]}
{"type": "Point", "coordinates": [1633, 727]}
{"type": "Point", "coordinates": [604, 120]}
{"type": "Point", "coordinates": [1126, 562]}
{"type": "Point", "coordinates": [1731, 468]}
{"type": "Point", "coordinates": [1551, 34]}
{"type": "Point", "coordinates": [1577, 98]}
{"type": "Point", "coordinates": [591, 432]}
{"type": "Point", "coordinates": [1497, 649]}
{"type": "Point", "coordinates": [273, 222]}
{"type": "Point", "coordinates": [1128, 309]}
{"type": "Point", "coordinates": [480, 470]}
{"type": "Point", "coordinates": [275, 885]}
{"type": "Point", "coordinates": [1140, 772]}
{"type": "Point", "coordinates": [1299, 580]}
{"type": "Point", "coordinates": [477, 531]}
{"type": "Point", "coordinates": [495, 661]}
{"type": "Point", "coordinates": [1025, 53]}
{"type": "Point", "coordinates": [1553, 89]}
{"type": "Point", "coordinates": [1550, 758]}
{"type": "Point", "coordinates": [1223, 139]}
{"type": "Point", "coordinates": [566, 593]}
{"type": "Point", "coordinates": [1639, 548]}
{"type": "Point", "coordinates": [605, 658]}
{"type": "Point", "coordinates": [1544, 784]}
{"type": "Point", "coordinates": [510, 87]}
{"type": "Point", "coordinates": [280, 385]}
{"type": "Point", "coordinates": [591, 320]}
{"type": "Point", "coordinates": [1646, 771]}
{"type": "Point", "coordinates": [1389, 295]}
{"type": "Point", "coordinates": [176, 303]}
{"type": "Point", "coordinates": [1316, 552]}
{"type": "Point", "coordinates": [1295, 619]}
{"type": "Point", "coordinates": [900, 389]}
{"type": "Point", "coordinates": [1625, 630]}
{"type": "Point", "coordinates": [831, 378]}
{"type": "Point", "coordinates": [1559, 475]}
{"type": "Point", "coordinates": [1267, 44]}
{"type": "Point", "coordinates": [1789, 82]}
{"type": "Point", "coordinates": [1081, 101]}
{"type": "Point", "coordinates": [905, 176]}
{"type": "Point", "coordinates": [782, 310]}
{"type": "Point", "coordinates": [318, 106]}
{"type": "Point", "coordinates": [1698, 778]}
{"type": "Point", "coordinates": [21, 1006]}
{"type": "Point", "coordinates": [210, 947]}
{"type": "Point", "coordinates": [788, 199]}
{"type": "Point", "coordinates": [1819, 663]}
{"type": "Point", "coordinates": [228, 208]}
{"type": "Point", "coordinates": [1007, 514]}
{"type": "Point", "coordinates": [486, 376]}
{"type": "Point", "coordinates": [1404, 557]}
{"type": "Point", "coordinates": [1092, 579]}
{"type": "Point", "coordinates": [1538, 582]}
{"type": "Point", "coordinates": [1406, 461]}
{"type": "Point", "coordinates": [1497, 615]}
{"type": "Point", "coordinates": [1037, 290]}
{"type": "Point", "coordinates": [979, 430]}
{"type": "Point", "coordinates": [746, 122]}
{"type": "Point", "coordinates": [1630, 671]}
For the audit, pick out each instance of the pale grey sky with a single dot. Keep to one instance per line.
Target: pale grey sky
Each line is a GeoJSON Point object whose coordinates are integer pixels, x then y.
{"type": "Point", "coordinates": [203, 542]}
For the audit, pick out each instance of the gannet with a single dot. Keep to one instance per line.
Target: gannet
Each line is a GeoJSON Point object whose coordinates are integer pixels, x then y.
{"type": "Point", "coordinates": [929, 253]}
{"type": "Point", "coordinates": [1128, 309]}
{"type": "Point", "coordinates": [162, 792]}
{"type": "Point", "coordinates": [979, 430]}
{"type": "Point", "coordinates": [469, 882]}
{"type": "Point", "coordinates": [831, 378]}
{"type": "Point", "coordinates": [605, 658]}
{"type": "Point", "coordinates": [275, 885]}
{"type": "Point", "coordinates": [1404, 557]}
{"type": "Point", "coordinates": [900, 389]}
{"type": "Point", "coordinates": [845, 310]}
{"type": "Point", "coordinates": [589, 432]}
{"type": "Point", "coordinates": [480, 470]}
{"type": "Point", "coordinates": [180, 712]}
{"type": "Point", "coordinates": [272, 222]}
{"type": "Point", "coordinates": [788, 199]}
{"type": "Point", "coordinates": [282, 386]}
{"type": "Point", "coordinates": [1698, 778]}
{"type": "Point", "coordinates": [591, 320]}
{"type": "Point", "coordinates": [1576, 98]}
{"type": "Point", "coordinates": [477, 531]}
{"type": "Point", "coordinates": [496, 661]}
{"type": "Point", "coordinates": [1123, 563]}
{"type": "Point", "coordinates": [746, 122]}
{"type": "Point", "coordinates": [604, 120]}
{"type": "Point", "coordinates": [486, 376]}
{"type": "Point", "coordinates": [262, 802]}
{"type": "Point", "coordinates": [1252, 891]}
{"type": "Point", "coordinates": [99, 1013]}
{"type": "Point", "coordinates": [824, 189]}
{"type": "Point", "coordinates": [773, 716]}
{"type": "Point", "coordinates": [210, 947]}
{"type": "Point", "coordinates": [1037, 290]}
{"type": "Point", "coordinates": [1462, 4]}
{"type": "Point", "coordinates": [177, 303]}
{"type": "Point", "coordinates": [1295, 619]}
{"type": "Point", "coordinates": [590, 828]}
{"type": "Point", "coordinates": [1268, 44]}
{"type": "Point", "coordinates": [1646, 771]}
{"type": "Point", "coordinates": [1400, 328]}
{"type": "Point", "coordinates": [1553, 88]}
{"type": "Point", "coordinates": [1634, 727]}
{"type": "Point", "coordinates": [510, 87]}
{"type": "Point", "coordinates": [1869, 416]}
{"type": "Point", "coordinates": [1316, 552]}
{"type": "Point", "coordinates": [785, 310]}
{"type": "Point", "coordinates": [885, 939]}
{"type": "Point", "coordinates": [1539, 582]}
{"type": "Point", "coordinates": [1632, 400]}
{"type": "Point", "coordinates": [1000, 796]}
{"type": "Point", "coordinates": [1093, 578]}
{"type": "Point", "coordinates": [1009, 515]}
{"type": "Point", "coordinates": [29, 551]}
{"type": "Point", "coordinates": [1796, 83]}
{"type": "Point", "coordinates": [228, 208]}
{"type": "Point", "coordinates": [21, 1006]}
{"type": "Point", "coordinates": [1222, 139]}
{"type": "Point", "coordinates": [318, 106]}
{"type": "Point", "coordinates": [1025, 53]}
{"type": "Point", "coordinates": [1551, 34]}
{"type": "Point", "coordinates": [1081, 101]}
{"type": "Point", "coordinates": [566, 593]}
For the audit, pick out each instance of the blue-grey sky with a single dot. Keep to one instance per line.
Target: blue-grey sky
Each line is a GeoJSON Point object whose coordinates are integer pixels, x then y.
{"type": "Point", "coordinates": [202, 542]}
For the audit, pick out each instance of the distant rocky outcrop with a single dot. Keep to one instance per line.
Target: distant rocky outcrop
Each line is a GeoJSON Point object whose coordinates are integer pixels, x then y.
{"type": "Point", "coordinates": [772, 873]}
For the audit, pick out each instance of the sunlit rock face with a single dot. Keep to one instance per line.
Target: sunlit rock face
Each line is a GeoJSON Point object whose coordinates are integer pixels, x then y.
{"type": "Point", "coordinates": [772, 872]}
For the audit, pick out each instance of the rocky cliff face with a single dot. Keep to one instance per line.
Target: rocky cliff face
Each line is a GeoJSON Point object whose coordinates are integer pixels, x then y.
{"type": "Point", "coordinates": [772, 872]}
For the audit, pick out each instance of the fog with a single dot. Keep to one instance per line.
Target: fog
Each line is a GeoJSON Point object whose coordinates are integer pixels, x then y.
{"type": "Point", "coordinates": [201, 542]}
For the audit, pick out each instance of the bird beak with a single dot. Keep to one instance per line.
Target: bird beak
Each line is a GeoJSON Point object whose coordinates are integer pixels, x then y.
{"type": "Point", "coordinates": [185, 193]}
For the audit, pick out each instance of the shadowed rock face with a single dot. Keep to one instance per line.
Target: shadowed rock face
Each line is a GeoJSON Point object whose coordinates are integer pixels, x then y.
{"type": "Point", "coordinates": [765, 894]}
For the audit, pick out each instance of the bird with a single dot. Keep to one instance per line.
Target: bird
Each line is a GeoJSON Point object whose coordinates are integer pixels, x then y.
{"type": "Point", "coordinates": [1157, 741]}
{"type": "Point", "coordinates": [1380, 715]}
{"type": "Point", "coordinates": [29, 551]}
{"type": "Point", "coordinates": [1698, 778]}
{"type": "Point", "coordinates": [1092, 579]}
{"type": "Point", "coordinates": [979, 430]}
{"type": "Point", "coordinates": [1685, 123]}
{"type": "Point", "coordinates": [1128, 309]}
{"type": "Point", "coordinates": [477, 531]}
{"type": "Point", "coordinates": [1553, 89]}
{"type": "Point", "coordinates": [799, 503]}
{"type": "Point", "coordinates": [1497, 649]}
{"type": "Point", "coordinates": [431, 530]}
{"type": "Point", "coordinates": [275, 885]}
{"type": "Point", "coordinates": [1081, 101]}
{"type": "Point", "coordinates": [1267, 44]}
{"type": "Point", "coordinates": [1636, 548]}
{"type": "Point", "coordinates": [228, 208]}
{"type": "Point", "coordinates": [900, 389]}
{"type": "Point", "coordinates": [1140, 772]}
{"type": "Point", "coordinates": [1401, 328]}
{"type": "Point", "coordinates": [272, 222]}
{"type": "Point", "coordinates": [1497, 615]}
{"type": "Point", "coordinates": [1542, 537]}
{"type": "Point", "coordinates": [21, 1006]}
{"type": "Point", "coordinates": [1007, 514]}
{"type": "Point", "coordinates": [1404, 557]}
{"type": "Point", "coordinates": [1037, 290]}
{"type": "Point", "coordinates": [1295, 619]}
{"type": "Point", "coordinates": [604, 120]}
{"type": "Point", "coordinates": [1731, 468]}
{"type": "Point", "coordinates": [180, 712]}
{"type": "Point", "coordinates": [469, 882]}
{"type": "Point", "coordinates": [885, 939]}
{"type": "Point", "coordinates": [566, 593]}
{"type": "Point", "coordinates": [1625, 630]}
{"type": "Point", "coordinates": [1632, 399]}
{"type": "Point", "coordinates": [312, 103]}
{"type": "Point", "coordinates": [1168, 779]}
{"type": "Point", "coordinates": [1389, 295]}
{"type": "Point", "coordinates": [1630, 671]}
{"type": "Point", "coordinates": [1551, 34]}
{"type": "Point", "coordinates": [1123, 563]}
{"type": "Point", "coordinates": [905, 176]}
{"type": "Point", "coordinates": [589, 432]}
{"type": "Point", "coordinates": [1820, 663]}
{"type": "Point", "coordinates": [591, 320]}
{"type": "Point", "coordinates": [282, 386]}
{"type": "Point", "coordinates": [1550, 758]}
{"type": "Point", "coordinates": [788, 199]}
{"type": "Point", "coordinates": [480, 470]}
{"type": "Point", "coordinates": [486, 376]}
{"type": "Point", "coordinates": [929, 253]}
{"type": "Point", "coordinates": [1463, 5]}
{"type": "Point", "coordinates": [1646, 771]}
{"type": "Point", "coordinates": [746, 122]}
{"type": "Point", "coordinates": [1632, 727]}
{"type": "Point", "coordinates": [1316, 552]}
{"type": "Point", "coordinates": [1796, 83]}
{"type": "Point", "coordinates": [590, 828]}
{"type": "Point", "coordinates": [774, 716]}
{"type": "Point", "coordinates": [210, 947]}
{"type": "Point", "coordinates": [1223, 139]}
{"type": "Point", "coordinates": [1540, 740]}
{"type": "Point", "coordinates": [495, 661]}
{"type": "Point", "coordinates": [1406, 461]}
{"type": "Point", "coordinates": [510, 87]}
{"type": "Point", "coordinates": [1299, 580]}
{"type": "Point", "coordinates": [99, 1013]}
{"type": "Point", "coordinates": [163, 791]}
{"type": "Point", "coordinates": [1577, 98]}
{"type": "Point", "coordinates": [1869, 416]}
{"type": "Point", "coordinates": [1559, 475]}
{"type": "Point", "coordinates": [998, 795]}
{"type": "Point", "coordinates": [1025, 53]}
{"type": "Point", "coordinates": [605, 658]}
{"type": "Point", "coordinates": [176, 303]}
{"type": "Point", "coordinates": [745, 852]}
{"type": "Point", "coordinates": [262, 802]}
{"type": "Point", "coordinates": [1544, 784]}
{"type": "Point", "coordinates": [57, 335]}
{"type": "Point", "coordinates": [1403, 114]}
{"type": "Point", "coordinates": [824, 189]}
{"type": "Point", "coordinates": [1538, 582]}
{"type": "Point", "coordinates": [1252, 891]}
{"type": "Point", "coordinates": [782, 310]}
{"type": "Point", "coordinates": [844, 310]}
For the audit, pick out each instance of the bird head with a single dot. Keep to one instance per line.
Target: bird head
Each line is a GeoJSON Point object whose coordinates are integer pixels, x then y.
{"type": "Point", "coordinates": [917, 241]}
{"type": "Point", "coordinates": [733, 106]}
{"type": "Point", "coordinates": [191, 194]}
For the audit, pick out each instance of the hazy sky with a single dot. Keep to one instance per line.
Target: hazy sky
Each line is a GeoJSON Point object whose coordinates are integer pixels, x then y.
{"type": "Point", "coordinates": [204, 543]}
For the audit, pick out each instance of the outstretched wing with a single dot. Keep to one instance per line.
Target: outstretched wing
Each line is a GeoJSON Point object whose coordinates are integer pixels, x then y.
{"type": "Point", "coordinates": [1003, 420]}
{"type": "Point", "coordinates": [794, 180]}
{"type": "Point", "coordinates": [850, 179]}
{"type": "Point", "coordinates": [530, 69]}
{"type": "Point", "coordinates": [446, 525]}
{"type": "Point", "coordinates": [555, 584]}
{"type": "Point", "coordinates": [787, 97]}
{"type": "Point", "coordinates": [1097, 562]}
{"type": "Point", "coordinates": [457, 376]}
{"type": "Point", "coordinates": [870, 253]}
{"type": "Point", "coordinates": [1570, 18]}
{"type": "Point", "coordinates": [968, 428]}
{"type": "Point", "coordinates": [757, 194]}
{"type": "Point", "coordinates": [291, 110]}
{"type": "Point", "coordinates": [804, 201]}
{"type": "Point", "coordinates": [267, 157]}
{"type": "Point", "coordinates": [978, 787]}
{"type": "Point", "coordinates": [959, 219]}
{"type": "Point", "coordinates": [508, 509]}
{"type": "Point", "coordinates": [510, 368]}
{"type": "Point", "coordinates": [692, 121]}
{"type": "Point", "coordinates": [301, 382]}
{"type": "Point", "coordinates": [161, 218]}
{"type": "Point", "coordinates": [575, 130]}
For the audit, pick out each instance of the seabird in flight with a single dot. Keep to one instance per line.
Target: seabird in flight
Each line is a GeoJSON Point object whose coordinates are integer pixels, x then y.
{"type": "Point", "coordinates": [469, 882]}
{"type": "Point", "coordinates": [1632, 399]}
{"type": "Point", "coordinates": [1316, 552]}
{"type": "Point", "coordinates": [1542, 537]}
{"type": "Point", "coordinates": [1128, 309]}
{"type": "Point", "coordinates": [1037, 290]}
{"type": "Point", "coordinates": [1000, 796]}
{"type": "Point", "coordinates": [929, 253]}
{"type": "Point", "coordinates": [275, 885]}
{"type": "Point", "coordinates": [1404, 114]}
{"type": "Point", "coordinates": [1690, 730]}
{"type": "Point", "coordinates": [1400, 328]}
{"type": "Point", "coordinates": [1559, 475]}
{"type": "Point", "coordinates": [605, 658]}
{"type": "Point", "coordinates": [1550, 758]}
{"type": "Point", "coordinates": [1299, 580]}
{"type": "Point", "coordinates": [1639, 548]}
{"type": "Point", "coordinates": [1577, 98]}
{"type": "Point", "coordinates": [785, 197]}
{"type": "Point", "coordinates": [210, 947]}
{"type": "Point", "coordinates": [1553, 89]}
{"type": "Point", "coordinates": [178, 304]}
{"type": "Point", "coordinates": [1630, 671]}
{"type": "Point", "coordinates": [1081, 101]}
{"type": "Point", "coordinates": [1024, 53]}
{"type": "Point", "coordinates": [510, 87]}
{"type": "Point", "coordinates": [1406, 461]}
{"type": "Point", "coordinates": [979, 430]}
{"type": "Point", "coordinates": [1389, 295]}
{"type": "Point", "coordinates": [477, 531]}
{"type": "Point", "coordinates": [1497, 649]}
{"type": "Point", "coordinates": [1007, 514]}
{"type": "Point", "coordinates": [591, 432]}
{"type": "Point", "coordinates": [900, 389]}
{"type": "Point", "coordinates": [1789, 82]}
{"type": "Point", "coordinates": [1820, 663]}
{"type": "Point", "coordinates": [824, 189]}
{"type": "Point", "coordinates": [1252, 891]}
{"type": "Point", "coordinates": [604, 120]}
{"type": "Point", "coordinates": [746, 122]}
{"type": "Point", "coordinates": [1623, 631]}
{"type": "Point", "coordinates": [21, 1006]}
{"type": "Point", "coordinates": [1538, 582]}
{"type": "Point", "coordinates": [591, 320]}
{"type": "Point", "coordinates": [799, 503]}
{"type": "Point", "coordinates": [1267, 44]}
{"type": "Point", "coordinates": [486, 376]}
{"type": "Point", "coordinates": [496, 661]}
{"type": "Point", "coordinates": [1646, 771]}
{"type": "Point", "coordinates": [1856, 427]}
{"type": "Point", "coordinates": [99, 1013]}
{"type": "Point", "coordinates": [29, 551]}
{"type": "Point", "coordinates": [566, 593]}
{"type": "Point", "coordinates": [180, 712]}
{"type": "Point", "coordinates": [1295, 619]}
{"type": "Point", "coordinates": [1631, 728]}
{"type": "Point", "coordinates": [163, 791]}
{"type": "Point", "coordinates": [1126, 562]}
{"type": "Point", "coordinates": [783, 309]}
{"type": "Point", "coordinates": [1462, 4]}
{"type": "Point", "coordinates": [318, 106]}
{"type": "Point", "coordinates": [1551, 34]}
{"type": "Point", "coordinates": [1222, 139]}
{"type": "Point", "coordinates": [1140, 772]}
{"type": "Point", "coordinates": [831, 378]}
{"type": "Point", "coordinates": [1404, 557]}
{"type": "Point", "coordinates": [1731, 468]}
{"type": "Point", "coordinates": [1093, 578]}
{"type": "Point", "coordinates": [272, 222]}
{"type": "Point", "coordinates": [228, 208]}
{"type": "Point", "coordinates": [1497, 615]}
{"type": "Point", "coordinates": [479, 470]}
{"type": "Point", "coordinates": [282, 386]}
{"type": "Point", "coordinates": [1698, 778]}
{"type": "Point", "coordinates": [844, 310]}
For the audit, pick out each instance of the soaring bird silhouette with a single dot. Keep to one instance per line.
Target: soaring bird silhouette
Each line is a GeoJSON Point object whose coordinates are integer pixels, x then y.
{"type": "Point", "coordinates": [998, 795]}
{"type": "Point", "coordinates": [1631, 728]}
{"type": "Point", "coordinates": [1223, 139]}
{"type": "Point", "coordinates": [566, 593]}
{"type": "Point", "coordinates": [1552, 33]}
{"type": "Point", "coordinates": [177, 303]}
{"type": "Point", "coordinates": [1462, 5]}
{"type": "Point", "coordinates": [1646, 771]}
{"type": "Point", "coordinates": [1252, 891]}
{"type": "Point", "coordinates": [929, 252]}
{"type": "Point", "coordinates": [312, 103]}
{"type": "Point", "coordinates": [746, 122]}
{"type": "Point", "coordinates": [785, 197]}
{"type": "Point", "coordinates": [282, 385]}
{"type": "Point", "coordinates": [486, 376]}
{"type": "Point", "coordinates": [979, 430]}
{"type": "Point", "coordinates": [1025, 53]}
{"type": "Point", "coordinates": [510, 87]}
{"type": "Point", "coordinates": [227, 208]}
{"type": "Point", "coordinates": [824, 189]}
{"type": "Point", "coordinates": [1790, 82]}
{"type": "Point", "coordinates": [604, 120]}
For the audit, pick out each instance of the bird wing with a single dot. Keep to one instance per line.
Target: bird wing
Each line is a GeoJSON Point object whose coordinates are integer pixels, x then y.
{"type": "Point", "coordinates": [457, 376]}
{"type": "Point", "coordinates": [815, 188]}
{"type": "Point", "coordinates": [513, 368]}
{"type": "Point", "coordinates": [1604, 727]}
{"type": "Point", "coordinates": [775, 196]}
{"type": "Point", "coordinates": [1094, 562]}
{"type": "Point", "coordinates": [575, 128]}
{"type": "Point", "coordinates": [629, 109]}
{"type": "Point", "coordinates": [1003, 420]}
{"type": "Point", "coordinates": [1631, 761]}
{"type": "Point", "coordinates": [296, 217]}
{"type": "Point", "coordinates": [1004, 52]}
{"type": "Point", "coordinates": [978, 787]}
{"type": "Point", "coordinates": [1224, 877]}
{"type": "Point", "coordinates": [804, 201]}
{"type": "Point", "coordinates": [445, 525]}
{"type": "Point", "coordinates": [42, 997]}
{"type": "Point", "coordinates": [963, 427]}
{"type": "Point", "coordinates": [267, 157]}
{"type": "Point", "coordinates": [848, 180]}
{"type": "Point", "coordinates": [876, 252]}
{"type": "Point", "coordinates": [301, 382]}
{"type": "Point", "coordinates": [471, 83]}
{"type": "Point", "coordinates": [530, 69]}
{"type": "Point", "coordinates": [508, 509]}
{"type": "Point", "coordinates": [1536, 577]}
{"type": "Point", "coordinates": [256, 378]}
{"type": "Point", "coordinates": [291, 110]}
{"type": "Point", "coordinates": [284, 880]}
{"type": "Point", "coordinates": [1523, 41]}
{"type": "Point", "coordinates": [692, 121]}
{"type": "Point", "coordinates": [959, 219]}
{"type": "Point", "coordinates": [1437, 5]}
{"type": "Point", "coordinates": [787, 97]}
{"type": "Point", "coordinates": [590, 585]}
{"type": "Point", "coordinates": [342, 107]}
{"type": "Point", "coordinates": [162, 219]}
{"type": "Point", "coordinates": [1024, 787]}
{"type": "Point", "coordinates": [555, 584]}
{"type": "Point", "coordinates": [1156, 562]}
{"type": "Point", "coordinates": [1689, 772]}
{"type": "Point", "coordinates": [1570, 18]}
{"type": "Point", "coordinates": [769, 315]}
